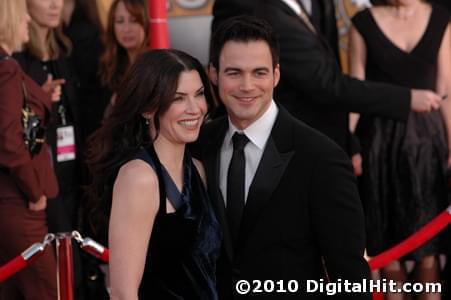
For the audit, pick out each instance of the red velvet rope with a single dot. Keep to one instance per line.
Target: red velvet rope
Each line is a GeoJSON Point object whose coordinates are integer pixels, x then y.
{"type": "Point", "coordinates": [16, 265]}
{"type": "Point", "coordinates": [105, 256]}
{"type": "Point", "coordinates": [419, 238]}
{"type": "Point", "coordinates": [414, 241]}
{"type": "Point", "coordinates": [12, 268]}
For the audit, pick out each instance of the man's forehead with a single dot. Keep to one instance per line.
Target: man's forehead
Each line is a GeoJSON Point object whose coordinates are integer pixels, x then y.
{"type": "Point", "coordinates": [255, 53]}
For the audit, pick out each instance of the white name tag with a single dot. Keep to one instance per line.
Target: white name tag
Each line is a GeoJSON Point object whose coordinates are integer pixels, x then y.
{"type": "Point", "coordinates": [65, 146]}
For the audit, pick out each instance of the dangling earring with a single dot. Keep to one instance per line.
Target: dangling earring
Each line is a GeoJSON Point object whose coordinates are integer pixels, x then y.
{"type": "Point", "coordinates": [147, 119]}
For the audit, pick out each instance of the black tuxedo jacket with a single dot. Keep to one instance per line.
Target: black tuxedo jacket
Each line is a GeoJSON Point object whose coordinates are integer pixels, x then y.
{"type": "Point", "coordinates": [312, 85]}
{"type": "Point", "coordinates": [302, 213]}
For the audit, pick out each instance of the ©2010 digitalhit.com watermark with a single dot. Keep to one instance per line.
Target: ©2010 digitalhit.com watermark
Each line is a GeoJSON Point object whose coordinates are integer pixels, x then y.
{"type": "Point", "coordinates": [340, 286]}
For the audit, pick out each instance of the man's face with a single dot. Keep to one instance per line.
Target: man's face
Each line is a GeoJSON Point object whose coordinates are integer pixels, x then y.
{"type": "Point", "coordinates": [245, 79]}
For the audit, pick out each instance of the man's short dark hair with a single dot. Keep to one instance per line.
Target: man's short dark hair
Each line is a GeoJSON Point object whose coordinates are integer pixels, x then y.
{"type": "Point", "coordinates": [243, 29]}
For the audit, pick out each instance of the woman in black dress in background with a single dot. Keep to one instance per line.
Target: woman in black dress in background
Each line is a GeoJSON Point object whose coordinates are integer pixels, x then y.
{"type": "Point", "coordinates": [408, 43]}
{"type": "Point", "coordinates": [163, 236]}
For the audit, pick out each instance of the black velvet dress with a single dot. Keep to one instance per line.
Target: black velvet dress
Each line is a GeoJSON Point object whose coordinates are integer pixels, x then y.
{"type": "Point", "coordinates": [404, 164]}
{"type": "Point", "coordinates": [184, 246]}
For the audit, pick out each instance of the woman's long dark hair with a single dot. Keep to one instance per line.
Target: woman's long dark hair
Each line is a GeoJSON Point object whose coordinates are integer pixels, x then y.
{"type": "Point", "coordinates": [148, 86]}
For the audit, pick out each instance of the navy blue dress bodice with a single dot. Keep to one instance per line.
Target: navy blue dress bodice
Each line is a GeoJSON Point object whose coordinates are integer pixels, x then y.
{"type": "Point", "coordinates": [184, 245]}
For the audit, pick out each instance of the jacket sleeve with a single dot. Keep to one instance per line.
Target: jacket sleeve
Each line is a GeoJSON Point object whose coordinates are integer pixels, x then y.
{"type": "Point", "coordinates": [308, 66]}
{"type": "Point", "coordinates": [14, 156]}
{"type": "Point", "coordinates": [338, 219]}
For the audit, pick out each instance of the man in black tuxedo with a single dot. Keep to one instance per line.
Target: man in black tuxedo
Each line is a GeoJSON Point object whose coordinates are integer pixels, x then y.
{"type": "Point", "coordinates": [312, 86]}
{"type": "Point", "coordinates": [284, 193]}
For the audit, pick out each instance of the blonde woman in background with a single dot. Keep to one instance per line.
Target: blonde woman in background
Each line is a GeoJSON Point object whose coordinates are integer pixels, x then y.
{"type": "Point", "coordinates": [26, 180]}
{"type": "Point", "coordinates": [45, 59]}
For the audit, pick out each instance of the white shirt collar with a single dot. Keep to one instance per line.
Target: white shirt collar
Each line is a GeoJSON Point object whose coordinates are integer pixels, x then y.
{"type": "Point", "coordinates": [293, 5]}
{"type": "Point", "coordinates": [259, 131]}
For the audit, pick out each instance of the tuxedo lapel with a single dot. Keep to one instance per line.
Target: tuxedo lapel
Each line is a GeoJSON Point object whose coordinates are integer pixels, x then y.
{"type": "Point", "coordinates": [269, 173]}
{"type": "Point", "coordinates": [211, 161]}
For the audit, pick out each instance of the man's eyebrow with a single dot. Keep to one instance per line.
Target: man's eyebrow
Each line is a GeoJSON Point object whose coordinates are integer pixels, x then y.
{"type": "Point", "coordinates": [231, 69]}
{"type": "Point", "coordinates": [261, 69]}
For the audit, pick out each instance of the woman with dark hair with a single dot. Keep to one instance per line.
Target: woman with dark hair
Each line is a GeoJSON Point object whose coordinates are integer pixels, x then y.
{"type": "Point", "coordinates": [27, 179]}
{"type": "Point", "coordinates": [125, 38]}
{"type": "Point", "coordinates": [163, 236]}
{"type": "Point", "coordinates": [403, 186]}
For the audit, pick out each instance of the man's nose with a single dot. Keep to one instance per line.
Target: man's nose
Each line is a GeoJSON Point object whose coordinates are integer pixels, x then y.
{"type": "Point", "coordinates": [247, 83]}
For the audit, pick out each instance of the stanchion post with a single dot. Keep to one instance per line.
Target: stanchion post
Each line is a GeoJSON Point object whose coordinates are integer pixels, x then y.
{"type": "Point", "coordinates": [65, 266]}
{"type": "Point", "coordinates": [158, 29]}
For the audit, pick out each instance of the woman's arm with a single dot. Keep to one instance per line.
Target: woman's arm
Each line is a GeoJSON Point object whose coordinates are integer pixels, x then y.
{"type": "Point", "coordinates": [356, 64]}
{"type": "Point", "coordinates": [134, 208]}
{"type": "Point", "coordinates": [444, 84]}
{"type": "Point", "coordinates": [14, 155]}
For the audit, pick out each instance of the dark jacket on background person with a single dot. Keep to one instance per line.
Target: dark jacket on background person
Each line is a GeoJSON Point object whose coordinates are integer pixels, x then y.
{"type": "Point", "coordinates": [86, 51]}
{"type": "Point", "coordinates": [60, 68]}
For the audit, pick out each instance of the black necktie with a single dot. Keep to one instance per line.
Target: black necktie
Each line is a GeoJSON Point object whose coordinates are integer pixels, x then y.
{"type": "Point", "coordinates": [235, 184]}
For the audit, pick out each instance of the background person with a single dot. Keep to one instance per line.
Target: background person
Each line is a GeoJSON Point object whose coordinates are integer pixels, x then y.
{"type": "Point", "coordinates": [26, 181]}
{"type": "Point", "coordinates": [45, 59]}
{"type": "Point", "coordinates": [125, 38]}
{"type": "Point", "coordinates": [403, 186]}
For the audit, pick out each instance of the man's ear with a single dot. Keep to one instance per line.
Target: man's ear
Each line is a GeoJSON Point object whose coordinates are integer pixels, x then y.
{"type": "Point", "coordinates": [276, 75]}
{"type": "Point", "coordinates": [213, 74]}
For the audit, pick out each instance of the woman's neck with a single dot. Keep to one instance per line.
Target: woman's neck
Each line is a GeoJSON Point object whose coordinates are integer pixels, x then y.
{"type": "Point", "coordinates": [407, 8]}
{"type": "Point", "coordinates": [132, 54]}
{"type": "Point", "coordinates": [68, 10]}
{"type": "Point", "coordinates": [171, 155]}
{"type": "Point", "coordinates": [6, 48]}
{"type": "Point", "coordinates": [42, 35]}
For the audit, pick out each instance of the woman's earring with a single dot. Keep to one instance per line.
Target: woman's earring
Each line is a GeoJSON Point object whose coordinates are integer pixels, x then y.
{"type": "Point", "coordinates": [147, 119]}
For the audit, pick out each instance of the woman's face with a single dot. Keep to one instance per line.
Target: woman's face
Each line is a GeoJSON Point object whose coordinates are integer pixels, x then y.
{"type": "Point", "coordinates": [128, 32]}
{"type": "Point", "coordinates": [46, 13]}
{"type": "Point", "coordinates": [180, 124]}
